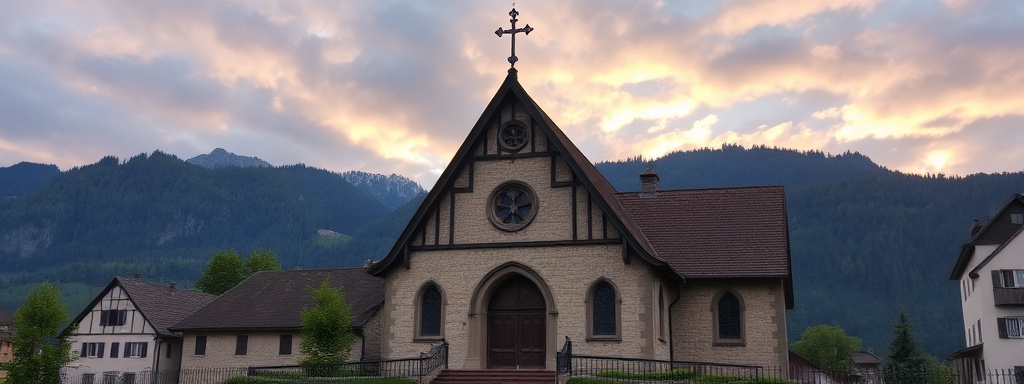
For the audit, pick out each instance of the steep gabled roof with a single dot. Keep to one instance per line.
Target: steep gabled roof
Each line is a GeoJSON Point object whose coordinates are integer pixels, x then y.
{"type": "Point", "coordinates": [6, 317]}
{"type": "Point", "coordinates": [160, 304]}
{"type": "Point", "coordinates": [274, 300]}
{"type": "Point", "coordinates": [589, 177]}
{"type": "Point", "coordinates": [967, 250]}
{"type": "Point", "coordinates": [717, 233]}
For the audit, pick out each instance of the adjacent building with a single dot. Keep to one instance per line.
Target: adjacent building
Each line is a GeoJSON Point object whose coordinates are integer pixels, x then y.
{"type": "Point", "coordinates": [124, 332]}
{"type": "Point", "coordinates": [259, 323]}
{"type": "Point", "coordinates": [990, 270]}
{"type": "Point", "coordinates": [6, 339]}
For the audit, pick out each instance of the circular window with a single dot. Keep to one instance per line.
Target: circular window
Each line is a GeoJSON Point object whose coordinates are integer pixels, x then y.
{"type": "Point", "coordinates": [512, 206]}
{"type": "Point", "coordinates": [513, 136]}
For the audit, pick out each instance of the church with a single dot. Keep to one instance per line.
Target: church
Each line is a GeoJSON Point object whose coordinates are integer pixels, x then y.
{"type": "Point", "coordinates": [522, 244]}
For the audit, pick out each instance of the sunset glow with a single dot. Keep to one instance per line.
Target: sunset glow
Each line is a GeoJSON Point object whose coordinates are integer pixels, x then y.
{"type": "Point", "coordinates": [394, 86]}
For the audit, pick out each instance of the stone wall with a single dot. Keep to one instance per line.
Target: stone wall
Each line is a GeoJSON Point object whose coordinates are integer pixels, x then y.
{"type": "Point", "coordinates": [764, 323]}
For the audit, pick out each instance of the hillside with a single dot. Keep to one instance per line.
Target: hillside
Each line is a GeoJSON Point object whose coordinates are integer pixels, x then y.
{"type": "Point", "coordinates": [23, 177]}
{"type": "Point", "coordinates": [865, 240]}
{"type": "Point", "coordinates": [162, 217]}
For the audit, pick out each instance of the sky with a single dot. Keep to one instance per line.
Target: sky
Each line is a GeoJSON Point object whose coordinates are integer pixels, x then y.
{"type": "Point", "coordinates": [389, 86]}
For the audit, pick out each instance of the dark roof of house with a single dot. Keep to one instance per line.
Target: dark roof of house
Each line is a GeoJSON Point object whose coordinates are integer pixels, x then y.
{"type": "Point", "coordinates": [162, 305]}
{"type": "Point", "coordinates": [274, 300]}
{"type": "Point", "coordinates": [865, 358]}
{"type": "Point", "coordinates": [6, 317]}
{"type": "Point", "coordinates": [995, 229]}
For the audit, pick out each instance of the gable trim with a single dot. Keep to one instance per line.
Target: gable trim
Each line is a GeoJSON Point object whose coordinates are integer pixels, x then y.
{"type": "Point", "coordinates": [116, 282]}
{"type": "Point", "coordinates": [967, 250]}
{"type": "Point", "coordinates": [557, 144]}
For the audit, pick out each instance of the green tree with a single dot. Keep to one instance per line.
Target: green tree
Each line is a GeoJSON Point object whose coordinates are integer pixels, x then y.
{"type": "Point", "coordinates": [262, 260]}
{"type": "Point", "coordinates": [39, 351]}
{"type": "Point", "coordinates": [326, 333]}
{"type": "Point", "coordinates": [224, 271]}
{"type": "Point", "coordinates": [905, 363]}
{"type": "Point", "coordinates": [828, 347]}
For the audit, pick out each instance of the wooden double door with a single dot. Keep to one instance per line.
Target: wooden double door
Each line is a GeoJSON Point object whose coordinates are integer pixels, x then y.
{"type": "Point", "coordinates": [516, 328]}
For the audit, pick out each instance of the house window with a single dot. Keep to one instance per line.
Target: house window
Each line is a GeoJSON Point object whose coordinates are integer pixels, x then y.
{"type": "Point", "coordinates": [662, 315]}
{"type": "Point", "coordinates": [727, 309]}
{"type": "Point", "coordinates": [1011, 327]}
{"type": "Point", "coordinates": [603, 308]}
{"type": "Point", "coordinates": [200, 346]}
{"type": "Point", "coordinates": [170, 348]}
{"type": "Point", "coordinates": [112, 317]}
{"type": "Point", "coordinates": [1017, 218]}
{"type": "Point", "coordinates": [1013, 278]}
{"type": "Point", "coordinates": [114, 347]}
{"type": "Point", "coordinates": [241, 345]}
{"type": "Point", "coordinates": [286, 345]}
{"type": "Point", "coordinates": [92, 350]}
{"type": "Point", "coordinates": [430, 303]}
{"type": "Point", "coordinates": [135, 349]}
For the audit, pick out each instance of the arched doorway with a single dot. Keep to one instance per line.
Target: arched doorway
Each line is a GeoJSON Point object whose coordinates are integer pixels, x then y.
{"type": "Point", "coordinates": [516, 326]}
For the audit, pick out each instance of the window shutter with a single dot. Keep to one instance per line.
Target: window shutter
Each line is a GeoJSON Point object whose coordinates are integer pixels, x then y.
{"type": "Point", "coordinates": [1001, 325]}
{"type": "Point", "coordinates": [997, 278]}
{"type": "Point", "coordinates": [85, 349]}
{"type": "Point", "coordinates": [122, 316]}
{"type": "Point", "coordinates": [113, 350]}
{"type": "Point", "coordinates": [99, 352]}
{"type": "Point", "coordinates": [103, 318]}
{"type": "Point", "coordinates": [145, 346]}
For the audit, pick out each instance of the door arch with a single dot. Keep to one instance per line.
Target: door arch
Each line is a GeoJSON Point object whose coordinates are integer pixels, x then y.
{"type": "Point", "coordinates": [516, 331]}
{"type": "Point", "coordinates": [487, 287]}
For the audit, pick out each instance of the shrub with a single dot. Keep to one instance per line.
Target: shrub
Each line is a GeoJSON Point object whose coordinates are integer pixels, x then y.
{"type": "Point", "coordinates": [675, 374]}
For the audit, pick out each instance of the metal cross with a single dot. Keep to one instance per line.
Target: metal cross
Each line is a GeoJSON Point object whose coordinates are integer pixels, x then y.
{"type": "Point", "coordinates": [513, 59]}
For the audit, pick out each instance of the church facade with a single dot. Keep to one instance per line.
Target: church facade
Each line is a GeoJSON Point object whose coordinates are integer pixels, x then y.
{"type": "Point", "coordinates": [522, 244]}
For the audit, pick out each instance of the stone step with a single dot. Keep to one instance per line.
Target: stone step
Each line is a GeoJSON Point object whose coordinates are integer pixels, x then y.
{"type": "Point", "coordinates": [496, 376]}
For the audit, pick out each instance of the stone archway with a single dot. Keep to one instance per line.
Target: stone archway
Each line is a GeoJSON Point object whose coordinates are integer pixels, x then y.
{"type": "Point", "coordinates": [515, 300]}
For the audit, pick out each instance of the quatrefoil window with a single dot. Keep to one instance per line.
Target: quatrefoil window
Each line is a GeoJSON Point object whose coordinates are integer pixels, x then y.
{"type": "Point", "coordinates": [512, 206]}
{"type": "Point", "coordinates": [513, 136]}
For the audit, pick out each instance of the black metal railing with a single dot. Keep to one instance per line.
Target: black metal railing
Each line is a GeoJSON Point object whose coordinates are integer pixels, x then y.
{"type": "Point", "coordinates": [420, 368]}
{"type": "Point", "coordinates": [631, 370]}
{"type": "Point", "coordinates": [563, 357]}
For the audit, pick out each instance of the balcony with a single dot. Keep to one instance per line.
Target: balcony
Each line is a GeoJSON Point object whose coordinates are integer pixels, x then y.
{"type": "Point", "coordinates": [1009, 296]}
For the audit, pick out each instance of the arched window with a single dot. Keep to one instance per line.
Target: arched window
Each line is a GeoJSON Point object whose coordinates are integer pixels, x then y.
{"type": "Point", "coordinates": [430, 312]}
{"type": "Point", "coordinates": [603, 312]}
{"type": "Point", "coordinates": [662, 316]}
{"type": "Point", "coordinates": [728, 310]}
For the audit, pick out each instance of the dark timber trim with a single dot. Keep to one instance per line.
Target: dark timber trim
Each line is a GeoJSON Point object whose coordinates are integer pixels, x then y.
{"type": "Point", "coordinates": [575, 213]}
{"type": "Point", "coordinates": [451, 217]}
{"type": "Point", "coordinates": [529, 244]}
{"type": "Point", "coordinates": [437, 224]}
{"type": "Point", "coordinates": [625, 251]}
{"type": "Point", "coordinates": [590, 219]}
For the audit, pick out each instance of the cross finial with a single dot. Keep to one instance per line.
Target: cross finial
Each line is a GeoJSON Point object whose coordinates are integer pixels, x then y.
{"type": "Point", "coordinates": [513, 31]}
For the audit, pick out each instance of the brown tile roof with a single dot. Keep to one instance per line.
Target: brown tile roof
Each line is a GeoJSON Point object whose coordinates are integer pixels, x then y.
{"type": "Point", "coordinates": [162, 305]}
{"type": "Point", "coordinates": [159, 304]}
{"type": "Point", "coordinates": [715, 233]}
{"type": "Point", "coordinates": [274, 300]}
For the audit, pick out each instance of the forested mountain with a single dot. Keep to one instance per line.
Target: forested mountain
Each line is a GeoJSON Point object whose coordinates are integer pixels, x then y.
{"type": "Point", "coordinates": [23, 177]}
{"type": "Point", "coordinates": [865, 240]}
{"type": "Point", "coordinates": [162, 217]}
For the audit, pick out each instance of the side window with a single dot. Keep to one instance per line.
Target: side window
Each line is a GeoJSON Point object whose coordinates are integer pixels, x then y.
{"type": "Point", "coordinates": [430, 312]}
{"type": "Point", "coordinates": [603, 312]}
{"type": "Point", "coordinates": [200, 346]}
{"type": "Point", "coordinates": [728, 318]}
{"type": "Point", "coordinates": [286, 345]}
{"type": "Point", "coordinates": [242, 345]}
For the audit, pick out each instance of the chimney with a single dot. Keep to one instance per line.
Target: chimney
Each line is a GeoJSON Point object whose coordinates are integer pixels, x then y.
{"type": "Point", "coordinates": [136, 275]}
{"type": "Point", "coordinates": [648, 181]}
{"type": "Point", "coordinates": [975, 227]}
{"type": "Point", "coordinates": [172, 286]}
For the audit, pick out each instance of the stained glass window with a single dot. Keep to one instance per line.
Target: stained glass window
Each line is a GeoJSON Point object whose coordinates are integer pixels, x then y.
{"type": "Point", "coordinates": [430, 312]}
{"type": "Point", "coordinates": [729, 317]}
{"type": "Point", "coordinates": [604, 309]}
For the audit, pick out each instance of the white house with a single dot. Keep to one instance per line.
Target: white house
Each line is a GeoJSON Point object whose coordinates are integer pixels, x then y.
{"type": "Point", "coordinates": [123, 333]}
{"type": "Point", "coordinates": [990, 270]}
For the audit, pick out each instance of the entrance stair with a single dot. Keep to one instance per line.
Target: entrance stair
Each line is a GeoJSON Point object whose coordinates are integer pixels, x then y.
{"type": "Point", "coordinates": [496, 376]}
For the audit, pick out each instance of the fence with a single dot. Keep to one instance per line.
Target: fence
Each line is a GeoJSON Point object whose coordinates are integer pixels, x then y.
{"type": "Point", "coordinates": [421, 369]}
